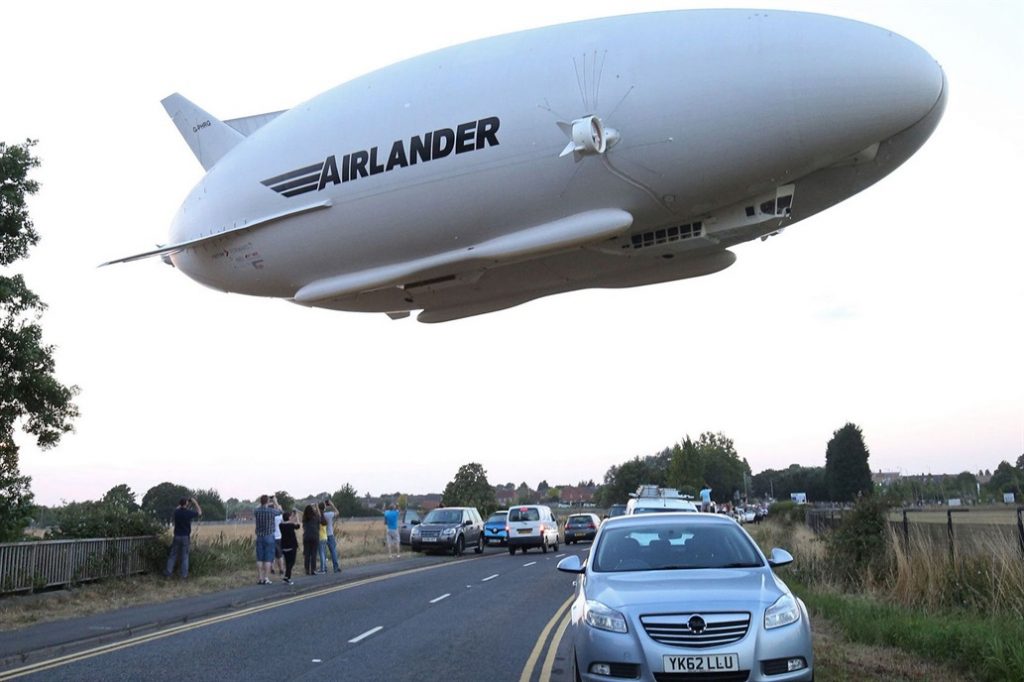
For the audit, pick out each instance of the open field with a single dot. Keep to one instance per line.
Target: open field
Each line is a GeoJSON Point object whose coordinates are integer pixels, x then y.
{"type": "Point", "coordinates": [962, 516]}
{"type": "Point", "coordinates": [356, 537]}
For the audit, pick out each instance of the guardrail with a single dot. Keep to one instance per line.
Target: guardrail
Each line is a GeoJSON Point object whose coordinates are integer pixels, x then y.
{"type": "Point", "coordinates": [27, 566]}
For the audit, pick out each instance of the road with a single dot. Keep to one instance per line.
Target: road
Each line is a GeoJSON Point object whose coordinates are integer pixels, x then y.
{"type": "Point", "coordinates": [492, 616]}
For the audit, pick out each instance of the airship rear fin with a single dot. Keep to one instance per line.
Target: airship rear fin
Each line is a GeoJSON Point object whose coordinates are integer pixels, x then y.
{"type": "Point", "coordinates": [208, 137]}
{"type": "Point", "coordinates": [247, 125]}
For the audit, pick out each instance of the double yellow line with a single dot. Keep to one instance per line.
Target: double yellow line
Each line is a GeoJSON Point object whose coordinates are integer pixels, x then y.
{"type": "Point", "coordinates": [562, 618]}
{"type": "Point", "coordinates": [213, 620]}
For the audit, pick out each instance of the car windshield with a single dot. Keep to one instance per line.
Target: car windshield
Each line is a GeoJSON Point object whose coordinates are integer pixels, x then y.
{"type": "Point", "coordinates": [617, 510]}
{"type": "Point", "coordinates": [496, 518]}
{"type": "Point", "coordinates": [524, 514]}
{"type": "Point", "coordinates": [579, 521]}
{"type": "Point", "coordinates": [444, 516]}
{"type": "Point", "coordinates": [674, 546]}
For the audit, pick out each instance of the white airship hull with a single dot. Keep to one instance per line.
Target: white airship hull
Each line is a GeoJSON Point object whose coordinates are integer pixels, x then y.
{"type": "Point", "coordinates": [463, 181]}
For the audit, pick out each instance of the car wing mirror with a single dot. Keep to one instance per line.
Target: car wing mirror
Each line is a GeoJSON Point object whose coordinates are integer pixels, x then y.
{"type": "Point", "coordinates": [467, 522]}
{"type": "Point", "coordinates": [571, 564]}
{"type": "Point", "coordinates": [415, 522]}
{"type": "Point", "coordinates": [779, 557]}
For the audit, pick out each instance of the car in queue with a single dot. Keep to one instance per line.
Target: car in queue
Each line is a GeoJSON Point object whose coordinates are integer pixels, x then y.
{"type": "Point", "coordinates": [407, 519]}
{"type": "Point", "coordinates": [531, 525]}
{"type": "Point", "coordinates": [616, 510]}
{"type": "Point", "coordinates": [681, 596]}
{"type": "Point", "coordinates": [580, 527]}
{"type": "Point", "coordinates": [449, 529]}
{"type": "Point", "coordinates": [651, 499]}
{"type": "Point", "coordinates": [495, 532]}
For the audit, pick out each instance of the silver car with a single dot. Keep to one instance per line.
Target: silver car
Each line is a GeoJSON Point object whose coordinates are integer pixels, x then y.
{"type": "Point", "coordinates": [683, 596]}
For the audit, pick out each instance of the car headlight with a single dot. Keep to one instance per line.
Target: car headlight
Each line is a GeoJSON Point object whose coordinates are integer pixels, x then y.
{"type": "Point", "coordinates": [415, 530]}
{"type": "Point", "coordinates": [602, 617]}
{"type": "Point", "coordinates": [448, 531]}
{"type": "Point", "coordinates": [783, 612]}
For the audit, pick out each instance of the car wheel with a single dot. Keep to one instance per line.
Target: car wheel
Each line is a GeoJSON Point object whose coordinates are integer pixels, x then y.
{"type": "Point", "coordinates": [511, 550]}
{"type": "Point", "coordinates": [544, 545]}
{"type": "Point", "coordinates": [479, 545]}
{"type": "Point", "coordinates": [458, 546]}
{"type": "Point", "coordinates": [555, 547]}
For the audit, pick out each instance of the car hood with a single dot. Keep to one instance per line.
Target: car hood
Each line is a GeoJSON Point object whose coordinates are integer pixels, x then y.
{"type": "Point", "coordinates": [438, 526]}
{"type": "Point", "coordinates": [686, 590]}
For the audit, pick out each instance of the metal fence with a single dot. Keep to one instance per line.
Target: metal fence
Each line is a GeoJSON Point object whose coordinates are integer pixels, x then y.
{"type": "Point", "coordinates": [825, 519]}
{"type": "Point", "coordinates": [26, 566]}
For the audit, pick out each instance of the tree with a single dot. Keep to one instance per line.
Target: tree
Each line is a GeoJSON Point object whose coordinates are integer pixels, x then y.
{"type": "Point", "coordinates": [120, 498]}
{"type": "Point", "coordinates": [470, 488]}
{"type": "Point", "coordinates": [1005, 479]}
{"type": "Point", "coordinates": [15, 496]}
{"type": "Point", "coordinates": [286, 501]}
{"type": "Point", "coordinates": [346, 499]}
{"type": "Point", "coordinates": [523, 494]}
{"type": "Point", "coordinates": [211, 504]}
{"type": "Point", "coordinates": [1020, 463]}
{"type": "Point", "coordinates": [30, 395]}
{"type": "Point", "coordinates": [162, 499]}
{"type": "Point", "coordinates": [620, 481]}
{"type": "Point", "coordinates": [847, 472]}
{"type": "Point", "coordinates": [115, 515]}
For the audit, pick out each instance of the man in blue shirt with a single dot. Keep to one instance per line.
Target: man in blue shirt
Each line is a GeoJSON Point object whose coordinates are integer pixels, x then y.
{"type": "Point", "coordinates": [391, 520]}
{"type": "Point", "coordinates": [705, 498]}
{"type": "Point", "coordinates": [187, 510]}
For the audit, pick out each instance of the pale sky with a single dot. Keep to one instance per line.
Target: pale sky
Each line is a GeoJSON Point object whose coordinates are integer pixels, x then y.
{"type": "Point", "coordinates": [899, 309]}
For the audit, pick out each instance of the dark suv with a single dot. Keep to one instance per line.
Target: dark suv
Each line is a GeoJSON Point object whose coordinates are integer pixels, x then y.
{"type": "Point", "coordinates": [449, 529]}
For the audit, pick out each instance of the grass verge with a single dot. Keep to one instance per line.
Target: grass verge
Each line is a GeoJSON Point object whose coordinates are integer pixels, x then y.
{"type": "Point", "coordinates": [984, 647]}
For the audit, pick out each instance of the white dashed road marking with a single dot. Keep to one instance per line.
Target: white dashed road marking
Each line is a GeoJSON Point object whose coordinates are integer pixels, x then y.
{"type": "Point", "coordinates": [443, 596]}
{"type": "Point", "coordinates": [490, 577]}
{"type": "Point", "coordinates": [529, 564]}
{"type": "Point", "coordinates": [366, 634]}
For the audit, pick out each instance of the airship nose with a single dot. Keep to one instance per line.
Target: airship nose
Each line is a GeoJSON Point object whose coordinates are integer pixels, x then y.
{"type": "Point", "coordinates": [909, 80]}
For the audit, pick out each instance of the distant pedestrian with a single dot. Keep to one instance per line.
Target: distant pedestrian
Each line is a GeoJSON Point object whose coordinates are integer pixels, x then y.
{"type": "Point", "coordinates": [322, 539]}
{"type": "Point", "coordinates": [330, 514]}
{"type": "Point", "coordinates": [289, 544]}
{"type": "Point", "coordinates": [265, 516]}
{"type": "Point", "coordinates": [310, 538]}
{"type": "Point", "coordinates": [705, 498]}
{"type": "Point", "coordinates": [392, 539]}
{"type": "Point", "coordinates": [187, 510]}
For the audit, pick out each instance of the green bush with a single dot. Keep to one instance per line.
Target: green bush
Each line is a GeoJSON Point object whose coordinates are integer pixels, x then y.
{"type": "Point", "coordinates": [786, 512]}
{"type": "Point", "coordinates": [857, 548]}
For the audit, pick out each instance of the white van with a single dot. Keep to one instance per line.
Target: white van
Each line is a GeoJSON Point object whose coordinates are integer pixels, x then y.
{"type": "Point", "coordinates": [649, 499]}
{"type": "Point", "coordinates": [531, 525]}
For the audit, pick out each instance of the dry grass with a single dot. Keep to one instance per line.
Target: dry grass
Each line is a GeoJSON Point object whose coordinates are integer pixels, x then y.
{"type": "Point", "coordinates": [356, 537]}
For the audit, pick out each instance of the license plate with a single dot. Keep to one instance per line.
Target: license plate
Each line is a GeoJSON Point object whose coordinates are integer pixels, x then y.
{"type": "Point", "coordinates": [524, 531]}
{"type": "Point", "coordinates": [429, 539]}
{"type": "Point", "coordinates": [702, 664]}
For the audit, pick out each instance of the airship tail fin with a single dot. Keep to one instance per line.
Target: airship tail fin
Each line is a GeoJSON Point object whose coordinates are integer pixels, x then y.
{"type": "Point", "coordinates": [208, 137]}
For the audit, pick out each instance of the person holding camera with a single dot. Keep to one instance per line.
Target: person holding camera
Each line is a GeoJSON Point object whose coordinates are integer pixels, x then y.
{"type": "Point", "coordinates": [266, 517]}
{"type": "Point", "coordinates": [330, 514]}
{"type": "Point", "coordinates": [187, 510]}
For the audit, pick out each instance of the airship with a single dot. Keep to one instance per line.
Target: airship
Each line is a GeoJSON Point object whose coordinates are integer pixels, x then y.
{"type": "Point", "coordinates": [606, 153]}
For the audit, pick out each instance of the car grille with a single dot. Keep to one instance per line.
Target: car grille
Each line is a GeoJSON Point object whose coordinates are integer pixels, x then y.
{"type": "Point", "coordinates": [696, 630]}
{"type": "Point", "coordinates": [430, 533]}
{"type": "Point", "coordinates": [738, 676]}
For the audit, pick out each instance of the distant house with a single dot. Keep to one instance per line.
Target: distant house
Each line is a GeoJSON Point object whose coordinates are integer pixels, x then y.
{"type": "Point", "coordinates": [576, 496]}
{"type": "Point", "coordinates": [885, 478]}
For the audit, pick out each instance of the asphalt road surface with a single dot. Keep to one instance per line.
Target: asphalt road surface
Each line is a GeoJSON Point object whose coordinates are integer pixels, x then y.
{"type": "Point", "coordinates": [490, 617]}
